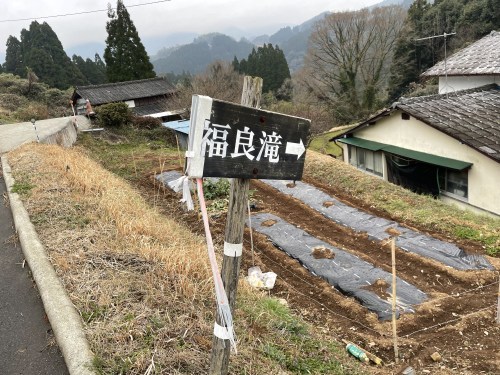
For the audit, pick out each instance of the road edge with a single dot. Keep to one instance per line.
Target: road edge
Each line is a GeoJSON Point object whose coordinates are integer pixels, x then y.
{"type": "Point", "coordinates": [63, 316]}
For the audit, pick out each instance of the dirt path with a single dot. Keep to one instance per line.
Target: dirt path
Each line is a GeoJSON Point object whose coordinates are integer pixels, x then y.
{"type": "Point", "coordinates": [458, 320]}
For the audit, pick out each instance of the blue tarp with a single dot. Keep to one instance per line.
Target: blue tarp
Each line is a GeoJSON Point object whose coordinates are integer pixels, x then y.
{"type": "Point", "coordinates": [181, 126]}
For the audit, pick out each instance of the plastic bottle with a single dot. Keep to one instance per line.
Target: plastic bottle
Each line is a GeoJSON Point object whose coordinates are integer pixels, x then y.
{"type": "Point", "coordinates": [357, 352]}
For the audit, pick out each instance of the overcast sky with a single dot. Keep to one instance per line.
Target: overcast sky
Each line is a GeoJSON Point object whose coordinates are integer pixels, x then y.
{"type": "Point", "coordinates": [164, 18]}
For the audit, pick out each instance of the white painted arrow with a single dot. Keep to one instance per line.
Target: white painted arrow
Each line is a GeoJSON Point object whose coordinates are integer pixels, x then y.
{"type": "Point", "coordinates": [295, 148]}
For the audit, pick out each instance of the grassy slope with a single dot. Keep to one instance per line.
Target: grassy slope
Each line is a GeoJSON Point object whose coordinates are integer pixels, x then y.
{"type": "Point", "coordinates": [132, 321]}
{"type": "Point", "coordinates": [402, 205]}
{"type": "Point", "coordinates": [142, 302]}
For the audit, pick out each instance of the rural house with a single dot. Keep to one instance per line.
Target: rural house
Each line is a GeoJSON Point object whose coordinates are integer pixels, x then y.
{"type": "Point", "coordinates": [145, 97]}
{"type": "Point", "coordinates": [474, 66]}
{"type": "Point", "coordinates": [447, 145]}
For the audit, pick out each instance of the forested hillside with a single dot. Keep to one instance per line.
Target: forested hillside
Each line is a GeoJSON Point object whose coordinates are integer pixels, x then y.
{"type": "Point", "coordinates": [470, 20]}
{"type": "Point", "coordinates": [335, 78]}
{"type": "Point", "coordinates": [195, 57]}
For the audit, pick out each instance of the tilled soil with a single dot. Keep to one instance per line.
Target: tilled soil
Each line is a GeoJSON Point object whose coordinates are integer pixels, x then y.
{"type": "Point", "coordinates": [457, 321]}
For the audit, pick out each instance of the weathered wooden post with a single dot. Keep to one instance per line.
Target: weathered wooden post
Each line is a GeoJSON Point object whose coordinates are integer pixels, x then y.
{"type": "Point", "coordinates": [498, 301]}
{"type": "Point", "coordinates": [239, 142]}
{"type": "Point", "coordinates": [233, 239]}
{"type": "Point", "coordinates": [394, 298]}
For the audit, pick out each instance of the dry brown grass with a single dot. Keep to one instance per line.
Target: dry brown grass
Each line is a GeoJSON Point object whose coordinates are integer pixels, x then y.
{"type": "Point", "coordinates": [136, 277]}
{"type": "Point", "coordinates": [142, 283]}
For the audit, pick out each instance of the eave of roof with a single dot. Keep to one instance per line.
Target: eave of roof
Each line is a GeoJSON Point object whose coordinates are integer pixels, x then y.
{"type": "Point", "coordinates": [480, 58]}
{"type": "Point", "coordinates": [469, 116]}
{"type": "Point", "coordinates": [123, 91]}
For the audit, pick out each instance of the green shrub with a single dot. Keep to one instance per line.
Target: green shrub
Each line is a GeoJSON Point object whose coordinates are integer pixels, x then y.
{"type": "Point", "coordinates": [12, 102]}
{"type": "Point", "coordinates": [113, 114]}
{"type": "Point", "coordinates": [11, 84]}
{"type": "Point", "coordinates": [56, 98]}
{"type": "Point", "coordinates": [216, 189]}
{"type": "Point", "coordinates": [32, 110]}
{"type": "Point", "coordinates": [148, 123]}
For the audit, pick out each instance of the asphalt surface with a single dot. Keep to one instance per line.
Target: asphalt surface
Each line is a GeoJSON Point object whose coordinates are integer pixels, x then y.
{"type": "Point", "coordinates": [27, 345]}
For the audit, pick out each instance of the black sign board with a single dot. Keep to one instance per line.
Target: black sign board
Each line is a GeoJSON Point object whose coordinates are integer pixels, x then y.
{"type": "Point", "coordinates": [230, 140]}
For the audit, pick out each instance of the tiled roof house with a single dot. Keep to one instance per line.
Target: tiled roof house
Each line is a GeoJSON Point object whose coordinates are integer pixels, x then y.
{"type": "Point", "coordinates": [474, 66]}
{"type": "Point", "coordinates": [447, 145]}
{"type": "Point", "coordinates": [146, 97]}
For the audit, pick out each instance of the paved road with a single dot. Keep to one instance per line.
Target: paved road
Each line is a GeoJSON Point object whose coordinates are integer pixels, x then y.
{"type": "Point", "coordinates": [13, 135]}
{"type": "Point", "coordinates": [27, 346]}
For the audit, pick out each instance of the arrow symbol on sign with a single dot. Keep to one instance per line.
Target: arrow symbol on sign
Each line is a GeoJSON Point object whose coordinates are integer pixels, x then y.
{"type": "Point", "coordinates": [295, 148]}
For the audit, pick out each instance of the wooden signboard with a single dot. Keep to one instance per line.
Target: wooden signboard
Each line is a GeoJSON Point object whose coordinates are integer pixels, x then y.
{"type": "Point", "coordinates": [230, 140]}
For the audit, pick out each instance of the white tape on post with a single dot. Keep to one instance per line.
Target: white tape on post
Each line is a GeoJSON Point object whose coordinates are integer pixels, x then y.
{"type": "Point", "coordinates": [221, 332]}
{"type": "Point", "coordinates": [233, 249]}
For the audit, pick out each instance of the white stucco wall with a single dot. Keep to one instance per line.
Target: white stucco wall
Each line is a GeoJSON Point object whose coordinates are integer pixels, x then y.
{"type": "Point", "coordinates": [484, 175]}
{"type": "Point", "coordinates": [455, 83]}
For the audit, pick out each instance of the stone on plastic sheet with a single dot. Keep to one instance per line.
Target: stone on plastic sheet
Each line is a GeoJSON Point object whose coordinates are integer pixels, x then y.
{"type": "Point", "coordinates": [375, 227]}
{"type": "Point", "coordinates": [346, 272]}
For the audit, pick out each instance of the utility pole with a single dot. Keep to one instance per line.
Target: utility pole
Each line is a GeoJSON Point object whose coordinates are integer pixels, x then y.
{"type": "Point", "coordinates": [233, 241]}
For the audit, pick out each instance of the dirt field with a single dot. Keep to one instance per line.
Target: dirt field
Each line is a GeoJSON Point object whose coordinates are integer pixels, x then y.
{"type": "Point", "coordinates": [458, 320]}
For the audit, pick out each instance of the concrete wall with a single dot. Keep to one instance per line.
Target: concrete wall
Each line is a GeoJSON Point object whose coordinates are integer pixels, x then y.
{"type": "Point", "coordinates": [455, 83]}
{"type": "Point", "coordinates": [484, 175]}
{"type": "Point", "coordinates": [55, 131]}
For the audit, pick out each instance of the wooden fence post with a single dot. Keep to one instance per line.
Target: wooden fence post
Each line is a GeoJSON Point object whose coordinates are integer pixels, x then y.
{"type": "Point", "coordinates": [498, 301]}
{"type": "Point", "coordinates": [394, 297]}
{"type": "Point", "coordinates": [233, 241]}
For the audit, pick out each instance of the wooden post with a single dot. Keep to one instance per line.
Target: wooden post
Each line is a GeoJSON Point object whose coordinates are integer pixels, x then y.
{"type": "Point", "coordinates": [498, 301]}
{"type": "Point", "coordinates": [394, 296]}
{"type": "Point", "coordinates": [233, 240]}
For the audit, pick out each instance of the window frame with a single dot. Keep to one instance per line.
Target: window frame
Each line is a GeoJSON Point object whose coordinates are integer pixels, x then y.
{"type": "Point", "coordinates": [463, 179]}
{"type": "Point", "coordinates": [362, 156]}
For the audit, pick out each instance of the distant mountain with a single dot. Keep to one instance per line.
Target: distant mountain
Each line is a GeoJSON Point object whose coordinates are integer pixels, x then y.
{"type": "Point", "coordinates": [196, 56]}
{"type": "Point", "coordinates": [292, 40]}
{"type": "Point", "coordinates": [404, 3]}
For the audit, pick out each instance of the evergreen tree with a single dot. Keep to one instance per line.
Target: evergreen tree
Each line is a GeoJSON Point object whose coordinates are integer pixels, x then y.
{"type": "Point", "coordinates": [43, 53]}
{"type": "Point", "coordinates": [125, 56]}
{"type": "Point", "coordinates": [94, 73]}
{"type": "Point", "coordinates": [266, 62]}
{"type": "Point", "coordinates": [13, 57]}
{"type": "Point", "coordinates": [410, 58]}
{"type": "Point", "coordinates": [99, 63]}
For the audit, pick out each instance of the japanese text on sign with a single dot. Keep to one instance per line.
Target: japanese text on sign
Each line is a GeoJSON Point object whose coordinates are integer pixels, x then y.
{"type": "Point", "coordinates": [215, 140]}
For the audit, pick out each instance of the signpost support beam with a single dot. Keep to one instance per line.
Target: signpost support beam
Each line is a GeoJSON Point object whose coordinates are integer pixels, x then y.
{"type": "Point", "coordinates": [233, 239]}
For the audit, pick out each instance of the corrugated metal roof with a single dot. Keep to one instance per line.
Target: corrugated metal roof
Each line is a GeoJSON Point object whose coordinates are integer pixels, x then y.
{"type": "Point", "coordinates": [480, 58]}
{"type": "Point", "coordinates": [122, 91]}
{"type": "Point", "coordinates": [181, 126]}
{"type": "Point", "coordinates": [149, 109]}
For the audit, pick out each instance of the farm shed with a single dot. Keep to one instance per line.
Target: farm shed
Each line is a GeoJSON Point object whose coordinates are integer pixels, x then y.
{"type": "Point", "coordinates": [145, 97]}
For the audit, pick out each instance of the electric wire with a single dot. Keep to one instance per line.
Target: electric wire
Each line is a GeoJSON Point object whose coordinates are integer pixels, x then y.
{"type": "Point", "coordinates": [79, 13]}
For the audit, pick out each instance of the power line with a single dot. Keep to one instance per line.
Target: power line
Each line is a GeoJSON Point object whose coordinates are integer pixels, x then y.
{"type": "Point", "coordinates": [79, 13]}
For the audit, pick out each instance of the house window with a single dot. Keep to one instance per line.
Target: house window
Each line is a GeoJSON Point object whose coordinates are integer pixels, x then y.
{"type": "Point", "coordinates": [454, 183]}
{"type": "Point", "coordinates": [366, 160]}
